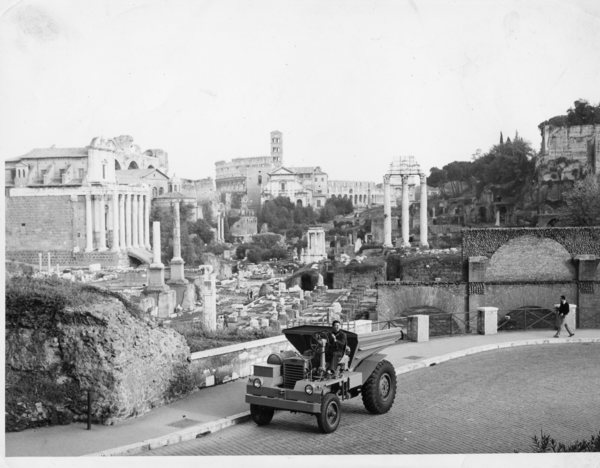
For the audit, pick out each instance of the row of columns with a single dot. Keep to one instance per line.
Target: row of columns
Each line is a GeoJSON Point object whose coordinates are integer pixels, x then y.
{"type": "Point", "coordinates": [129, 215]}
{"type": "Point", "coordinates": [387, 212]}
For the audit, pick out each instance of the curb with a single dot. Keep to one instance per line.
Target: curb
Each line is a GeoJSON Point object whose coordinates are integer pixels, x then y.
{"type": "Point", "coordinates": [200, 430]}
{"type": "Point", "coordinates": [193, 432]}
{"type": "Point", "coordinates": [491, 347]}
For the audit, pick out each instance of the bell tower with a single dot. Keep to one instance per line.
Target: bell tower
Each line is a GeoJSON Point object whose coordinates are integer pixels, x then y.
{"type": "Point", "coordinates": [276, 148]}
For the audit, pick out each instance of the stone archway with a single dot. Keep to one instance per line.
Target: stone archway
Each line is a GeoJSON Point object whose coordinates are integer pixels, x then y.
{"type": "Point", "coordinates": [133, 165]}
{"type": "Point", "coordinates": [308, 282]}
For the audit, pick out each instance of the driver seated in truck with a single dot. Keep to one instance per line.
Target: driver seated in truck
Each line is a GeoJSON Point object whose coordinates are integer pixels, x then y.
{"type": "Point", "coordinates": [336, 344]}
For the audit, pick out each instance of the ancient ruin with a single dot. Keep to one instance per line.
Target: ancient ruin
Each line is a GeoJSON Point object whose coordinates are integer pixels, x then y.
{"type": "Point", "coordinates": [399, 173]}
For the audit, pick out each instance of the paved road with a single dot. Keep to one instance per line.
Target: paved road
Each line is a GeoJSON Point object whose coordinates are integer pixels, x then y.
{"type": "Point", "coordinates": [492, 402]}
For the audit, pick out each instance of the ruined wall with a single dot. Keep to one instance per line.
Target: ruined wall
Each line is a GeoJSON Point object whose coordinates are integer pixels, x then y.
{"type": "Point", "coordinates": [63, 339]}
{"type": "Point", "coordinates": [69, 258]}
{"type": "Point", "coordinates": [394, 299]}
{"type": "Point", "coordinates": [426, 268]}
{"type": "Point", "coordinates": [352, 276]}
{"type": "Point", "coordinates": [245, 227]}
{"type": "Point", "coordinates": [45, 223]}
{"type": "Point", "coordinates": [511, 268]}
{"type": "Point", "coordinates": [575, 144]}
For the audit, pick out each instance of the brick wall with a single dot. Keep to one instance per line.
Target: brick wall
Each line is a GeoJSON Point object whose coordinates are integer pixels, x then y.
{"type": "Point", "coordinates": [44, 223]}
{"type": "Point", "coordinates": [531, 258]}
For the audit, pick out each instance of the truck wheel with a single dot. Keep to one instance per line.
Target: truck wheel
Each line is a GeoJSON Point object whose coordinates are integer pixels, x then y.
{"type": "Point", "coordinates": [379, 391]}
{"type": "Point", "coordinates": [331, 413]}
{"type": "Point", "coordinates": [261, 415]}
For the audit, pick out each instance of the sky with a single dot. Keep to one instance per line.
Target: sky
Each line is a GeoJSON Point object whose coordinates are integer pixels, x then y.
{"type": "Point", "coordinates": [351, 84]}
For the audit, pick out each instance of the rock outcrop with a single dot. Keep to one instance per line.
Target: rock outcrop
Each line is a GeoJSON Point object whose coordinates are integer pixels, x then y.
{"type": "Point", "coordinates": [65, 339]}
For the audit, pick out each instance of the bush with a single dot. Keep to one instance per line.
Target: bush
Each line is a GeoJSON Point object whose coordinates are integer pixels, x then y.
{"type": "Point", "coordinates": [545, 443]}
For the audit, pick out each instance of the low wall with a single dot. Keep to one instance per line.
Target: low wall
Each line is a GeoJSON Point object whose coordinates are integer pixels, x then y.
{"type": "Point", "coordinates": [220, 365]}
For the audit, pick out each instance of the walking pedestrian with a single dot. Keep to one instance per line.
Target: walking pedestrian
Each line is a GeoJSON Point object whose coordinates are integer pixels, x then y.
{"type": "Point", "coordinates": [561, 312]}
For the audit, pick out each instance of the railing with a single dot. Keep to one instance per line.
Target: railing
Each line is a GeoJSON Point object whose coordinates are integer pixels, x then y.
{"type": "Point", "coordinates": [447, 324]}
{"type": "Point", "coordinates": [399, 322]}
{"type": "Point", "coordinates": [526, 319]}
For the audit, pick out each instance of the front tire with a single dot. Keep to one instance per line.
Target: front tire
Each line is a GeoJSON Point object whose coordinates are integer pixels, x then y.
{"type": "Point", "coordinates": [331, 413]}
{"type": "Point", "coordinates": [379, 391]}
{"type": "Point", "coordinates": [261, 415]}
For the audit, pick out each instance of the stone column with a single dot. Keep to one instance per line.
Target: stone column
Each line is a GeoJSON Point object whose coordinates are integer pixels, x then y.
{"type": "Point", "coordinates": [418, 328]}
{"type": "Point", "coordinates": [387, 212]}
{"type": "Point", "coordinates": [122, 221]}
{"type": "Point", "coordinates": [487, 320]}
{"type": "Point", "coordinates": [423, 212]}
{"type": "Point", "coordinates": [222, 227]}
{"type": "Point", "coordinates": [89, 222]}
{"type": "Point", "coordinates": [141, 211]}
{"type": "Point", "coordinates": [115, 213]}
{"type": "Point", "coordinates": [156, 270]}
{"type": "Point", "coordinates": [128, 220]}
{"type": "Point", "coordinates": [147, 222]}
{"type": "Point", "coordinates": [497, 218]}
{"type": "Point", "coordinates": [102, 213]}
{"type": "Point", "coordinates": [134, 221]}
{"type": "Point", "coordinates": [405, 215]}
{"type": "Point", "coordinates": [177, 274]}
{"type": "Point", "coordinates": [209, 297]}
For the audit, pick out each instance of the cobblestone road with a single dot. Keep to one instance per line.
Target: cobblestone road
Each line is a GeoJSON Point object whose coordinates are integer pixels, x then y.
{"type": "Point", "coordinates": [492, 402]}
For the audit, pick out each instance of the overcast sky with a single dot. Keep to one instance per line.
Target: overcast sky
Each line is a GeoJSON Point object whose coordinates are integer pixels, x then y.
{"type": "Point", "coordinates": [351, 84]}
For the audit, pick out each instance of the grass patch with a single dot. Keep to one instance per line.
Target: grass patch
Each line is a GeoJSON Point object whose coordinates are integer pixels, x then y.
{"type": "Point", "coordinates": [199, 339]}
{"type": "Point", "coordinates": [51, 295]}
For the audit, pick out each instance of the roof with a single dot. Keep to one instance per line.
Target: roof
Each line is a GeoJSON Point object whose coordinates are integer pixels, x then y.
{"type": "Point", "coordinates": [282, 171]}
{"type": "Point", "coordinates": [45, 153]}
{"type": "Point", "coordinates": [129, 176]}
{"type": "Point", "coordinates": [304, 169]}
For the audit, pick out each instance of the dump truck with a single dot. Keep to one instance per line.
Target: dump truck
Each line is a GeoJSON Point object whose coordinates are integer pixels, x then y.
{"type": "Point", "coordinates": [300, 381]}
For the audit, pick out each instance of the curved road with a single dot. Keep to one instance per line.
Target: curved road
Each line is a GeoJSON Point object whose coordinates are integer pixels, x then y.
{"type": "Point", "coordinates": [492, 402]}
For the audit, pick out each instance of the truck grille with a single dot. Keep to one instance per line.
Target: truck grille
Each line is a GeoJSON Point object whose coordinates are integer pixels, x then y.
{"type": "Point", "coordinates": [293, 370]}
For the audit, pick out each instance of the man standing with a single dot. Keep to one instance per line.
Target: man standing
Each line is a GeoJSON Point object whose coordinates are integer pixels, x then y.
{"type": "Point", "coordinates": [337, 344]}
{"type": "Point", "coordinates": [562, 311]}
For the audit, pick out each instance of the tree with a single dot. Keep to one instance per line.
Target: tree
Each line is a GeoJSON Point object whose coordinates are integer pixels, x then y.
{"type": "Point", "coordinates": [582, 113]}
{"type": "Point", "coordinates": [189, 249]}
{"type": "Point", "coordinates": [583, 202]}
{"type": "Point", "coordinates": [203, 230]}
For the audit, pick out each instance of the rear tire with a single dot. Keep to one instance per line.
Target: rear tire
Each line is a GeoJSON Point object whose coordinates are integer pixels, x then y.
{"type": "Point", "coordinates": [261, 415]}
{"type": "Point", "coordinates": [379, 391]}
{"type": "Point", "coordinates": [331, 413]}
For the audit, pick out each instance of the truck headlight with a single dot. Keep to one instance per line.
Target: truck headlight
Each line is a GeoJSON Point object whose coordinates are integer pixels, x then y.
{"type": "Point", "coordinates": [309, 389]}
{"type": "Point", "coordinates": [257, 383]}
